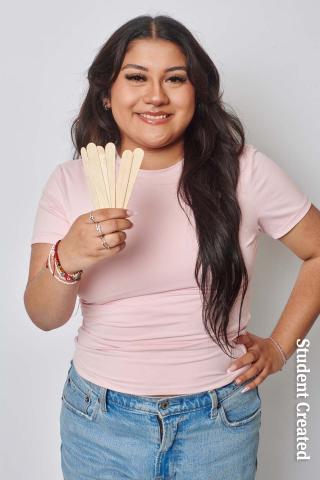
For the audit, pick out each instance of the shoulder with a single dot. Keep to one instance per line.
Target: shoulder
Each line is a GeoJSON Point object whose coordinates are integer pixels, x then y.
{"type": "Point", "coordinates": [65, 181]}
{"type": "Point", "coordinates": [69, 173]}
{"type": "Point", "coordinates": [70, 167]}
{"type": "Point", "coordinates": [247, 156]}
{"type": "Point", "coordinates": [247, 164]}
{"type": "Point", "coordinates": [257, 167]}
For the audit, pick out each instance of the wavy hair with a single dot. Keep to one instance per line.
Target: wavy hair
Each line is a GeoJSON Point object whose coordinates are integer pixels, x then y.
{"type": "Point", "coordinates": [213, 142]}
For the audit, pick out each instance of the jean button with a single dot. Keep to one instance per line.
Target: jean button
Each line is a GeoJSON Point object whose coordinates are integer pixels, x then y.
{"type": "Point", "coordinates": [164, 404]}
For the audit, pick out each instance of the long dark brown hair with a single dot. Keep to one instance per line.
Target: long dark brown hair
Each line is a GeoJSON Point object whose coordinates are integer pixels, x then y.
{"type": "Point", "coordinates": [213, 142]}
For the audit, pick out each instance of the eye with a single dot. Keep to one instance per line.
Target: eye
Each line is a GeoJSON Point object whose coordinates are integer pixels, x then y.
{"type": "Point", "coordinates": [135, 77]}
{"type": "Point", "coordinates": [142, 77]}
{"type": "Point", "coordinates": [180, 79]}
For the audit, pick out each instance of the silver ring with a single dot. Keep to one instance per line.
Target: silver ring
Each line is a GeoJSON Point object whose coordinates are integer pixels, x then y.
{"type": "Point", "coordinates": [98, 228]}
{"type": "Point", "coordinates": [91, 217]}
{"type": "Point", "coordinates": [105, 243]}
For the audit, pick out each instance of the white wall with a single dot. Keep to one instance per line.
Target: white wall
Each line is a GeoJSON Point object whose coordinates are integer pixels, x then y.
{"type": "Point", "coordinates": [268, 56]}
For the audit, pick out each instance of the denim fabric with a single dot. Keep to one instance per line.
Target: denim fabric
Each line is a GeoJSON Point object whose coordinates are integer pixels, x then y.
{"type": "Point", "coordinates": [109, 435]}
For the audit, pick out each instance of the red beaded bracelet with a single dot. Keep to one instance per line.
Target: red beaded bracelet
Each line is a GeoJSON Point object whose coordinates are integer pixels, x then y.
{"type": "Point", "coordinates": [63, 276]}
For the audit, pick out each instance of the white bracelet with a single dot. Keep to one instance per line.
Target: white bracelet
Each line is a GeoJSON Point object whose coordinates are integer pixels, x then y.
{"type": "Point", "coordinates": [284, 358]}
{"type": "Point", "coordinates": [56, 274]}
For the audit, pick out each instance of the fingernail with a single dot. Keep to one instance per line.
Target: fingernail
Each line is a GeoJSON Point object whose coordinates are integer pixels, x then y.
{"type": "Point", "coordinates": [130, 213]}
{"type": "Point", "coordinates": [232, 368]}
{"type": "Point", "coordinates": [245, 389]}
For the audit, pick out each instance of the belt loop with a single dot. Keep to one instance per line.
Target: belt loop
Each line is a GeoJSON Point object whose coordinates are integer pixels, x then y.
{"type": "Point", "coordinates": [214, 400]}
{"type": "Point", "coordinates": [103, 399]}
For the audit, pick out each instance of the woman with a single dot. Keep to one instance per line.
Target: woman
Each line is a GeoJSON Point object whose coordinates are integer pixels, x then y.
{"type": "Point", "coordinates": [151, 392]}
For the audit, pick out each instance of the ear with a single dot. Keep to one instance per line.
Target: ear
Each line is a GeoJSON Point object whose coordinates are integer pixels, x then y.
{"type": "Point", "coordinates": [106, 101]}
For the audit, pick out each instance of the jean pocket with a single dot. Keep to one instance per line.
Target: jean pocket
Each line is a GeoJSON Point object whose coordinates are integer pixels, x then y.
{"type": "Point", "coordinates": [78, 401]}
{"type": "Point", "coordinates": [240, 408]}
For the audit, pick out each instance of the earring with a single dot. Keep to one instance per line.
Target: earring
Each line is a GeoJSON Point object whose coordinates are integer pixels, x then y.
{"type": "Point", "coordinates": [106, 106]}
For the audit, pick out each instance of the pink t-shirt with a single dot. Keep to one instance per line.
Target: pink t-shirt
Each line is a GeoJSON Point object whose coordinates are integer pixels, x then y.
{"type": "Point", "coordinates": [142, 331]}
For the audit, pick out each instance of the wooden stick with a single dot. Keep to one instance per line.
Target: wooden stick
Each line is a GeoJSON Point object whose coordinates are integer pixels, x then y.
{"type": "Point", "coordinates": [110, 151]}
{"type": "Point", "coordinates": [123, 178]}
{"type": "Point", "coordinates": [95, 166]}
{"type": "Point", "coordinates": [108, 190]}
{"type": "Point", "coordinates": [138, 154]}
{"type": "Point", "coordinates": [90, 180]}
{"type": "Point", "coordinates": [104, 170]}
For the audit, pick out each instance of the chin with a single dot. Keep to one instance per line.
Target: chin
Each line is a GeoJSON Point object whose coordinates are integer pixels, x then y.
{"type": "Point", "coordinates": [156, 145]}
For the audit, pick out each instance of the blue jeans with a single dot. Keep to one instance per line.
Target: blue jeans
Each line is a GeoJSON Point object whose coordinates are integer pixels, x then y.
{"type": "Point", "coordinates": [109, 435]}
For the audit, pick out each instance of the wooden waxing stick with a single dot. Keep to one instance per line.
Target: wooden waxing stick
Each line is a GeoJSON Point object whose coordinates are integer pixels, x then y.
{"type": "Point", "coordinates": [123, 178]}
{"type": "Point", "coordinates": [96, 175]}
{"type": "Point", "coordinates": [138, 154]}
{"type": "Point", "coordinates": [110, 153]}
{"type": "Point", "coordinates": [90, 179]}
{"type": "Point", "coordinates": [100, 169]}
{"type": "Point", "coordinates": [104, 170]}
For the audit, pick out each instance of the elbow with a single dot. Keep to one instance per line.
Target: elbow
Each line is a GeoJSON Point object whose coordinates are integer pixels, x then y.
{"type": "Point", "coordinates": [40, 316]}
{"type": "Point", "coordinates": [42, 326]}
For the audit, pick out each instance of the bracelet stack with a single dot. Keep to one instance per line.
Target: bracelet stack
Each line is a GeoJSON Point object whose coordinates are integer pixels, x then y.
{"type": "Point", "coordinates": [55, 267]}
{"type": "Point", "coordinates": [276, 344]}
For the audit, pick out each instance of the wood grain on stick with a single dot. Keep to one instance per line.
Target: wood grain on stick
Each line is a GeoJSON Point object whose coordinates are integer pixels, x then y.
{"type": "Point", "coordinates": [108, 190]}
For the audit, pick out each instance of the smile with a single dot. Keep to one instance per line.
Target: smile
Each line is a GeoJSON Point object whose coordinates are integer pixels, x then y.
{"type": "Point", "coordinates": [154, 120]}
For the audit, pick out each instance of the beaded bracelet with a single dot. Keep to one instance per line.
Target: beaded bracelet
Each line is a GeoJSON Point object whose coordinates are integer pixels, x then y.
{"type": "Point", "coordinates": [62, 275]}
{"type": "Point", "coordinates": [56, 270]}
{"type": "Point", "coordinates": [51, 264]}
{"type": "Point", "coordinates": [284, 358]}
{"type": "Point", "coordinates": [68, 276]}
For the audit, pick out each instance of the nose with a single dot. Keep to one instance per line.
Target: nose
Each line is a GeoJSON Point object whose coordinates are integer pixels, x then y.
{"type": "Point", "coordinates": [156, 95]}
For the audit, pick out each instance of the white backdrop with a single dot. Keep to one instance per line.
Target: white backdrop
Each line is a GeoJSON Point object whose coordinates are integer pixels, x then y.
{"type": "Point", "coordinates": [267, 54]}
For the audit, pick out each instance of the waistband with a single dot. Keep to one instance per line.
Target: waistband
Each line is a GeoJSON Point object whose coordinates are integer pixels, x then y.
{"type": "Point", "coordinates": [163, 406]}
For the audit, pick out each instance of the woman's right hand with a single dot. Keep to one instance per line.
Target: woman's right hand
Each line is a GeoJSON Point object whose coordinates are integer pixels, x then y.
{"type": "Point", "coordinates": [81, 247]}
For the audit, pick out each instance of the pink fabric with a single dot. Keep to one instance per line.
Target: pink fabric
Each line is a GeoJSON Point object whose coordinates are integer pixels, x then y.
{"type": "Point", "coordinates": [142, 331]}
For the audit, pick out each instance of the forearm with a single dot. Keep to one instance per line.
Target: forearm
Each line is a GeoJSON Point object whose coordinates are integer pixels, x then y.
{"type": "Point", "coordinates": [302, 308]}
{"type": "Point", "coordinates": [48, 302]}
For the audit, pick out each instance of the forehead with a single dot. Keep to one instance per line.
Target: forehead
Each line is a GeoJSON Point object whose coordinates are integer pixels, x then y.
{"type": "Point", "coordinates": [156, 54]}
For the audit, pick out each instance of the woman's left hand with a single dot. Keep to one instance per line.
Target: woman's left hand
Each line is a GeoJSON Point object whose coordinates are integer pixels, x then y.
{"type": "Point", "coordinates": [262, 354]}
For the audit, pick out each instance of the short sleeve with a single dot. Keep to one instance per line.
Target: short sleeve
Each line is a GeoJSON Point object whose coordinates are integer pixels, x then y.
{"type": "Point", "coordinates": [51, 222]}
{"type": "Point", "coordinates": [279, 203]}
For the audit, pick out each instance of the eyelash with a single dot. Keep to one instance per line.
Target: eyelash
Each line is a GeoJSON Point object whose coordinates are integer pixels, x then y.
{"type": "Point", "coordinates": [131, 77]}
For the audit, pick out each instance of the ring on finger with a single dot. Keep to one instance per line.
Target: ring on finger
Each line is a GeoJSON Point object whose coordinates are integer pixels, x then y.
{"type": "Point", "coordinates": [91, 217]}
{"type": "Point", "coordinates": [104, 243]}
{"type": "Point", "coordinates": [98, 228]}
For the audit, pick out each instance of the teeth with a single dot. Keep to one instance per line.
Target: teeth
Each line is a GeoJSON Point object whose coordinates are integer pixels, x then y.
{"type": "Point", "coordinates": [153, 117]}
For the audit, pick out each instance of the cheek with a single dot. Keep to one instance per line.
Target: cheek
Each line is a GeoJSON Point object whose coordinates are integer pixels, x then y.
{"type": "Point", "coordinates": [123, 97]}
{"type": "Point", "coordinates": [185, 102]}
{"type": "Point", "coordinates": [123, 110]}
{"type": "Point", "coordinates": [187, 112]}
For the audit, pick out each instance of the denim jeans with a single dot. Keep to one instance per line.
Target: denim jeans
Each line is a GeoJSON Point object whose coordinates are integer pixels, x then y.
{"type": "Point", "coordinates": [109, 435]}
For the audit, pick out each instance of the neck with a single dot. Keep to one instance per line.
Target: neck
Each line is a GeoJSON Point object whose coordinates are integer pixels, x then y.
{"type": "Point", "coordinates": [155, 158]}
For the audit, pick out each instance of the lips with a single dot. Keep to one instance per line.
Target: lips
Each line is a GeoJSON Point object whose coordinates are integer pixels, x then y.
{"type": "Point", "coordinates": [152, 120]}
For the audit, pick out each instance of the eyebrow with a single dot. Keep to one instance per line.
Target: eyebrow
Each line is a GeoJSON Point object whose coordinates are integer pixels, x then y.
{"type": "Point", "coordinates": [140, 67]}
